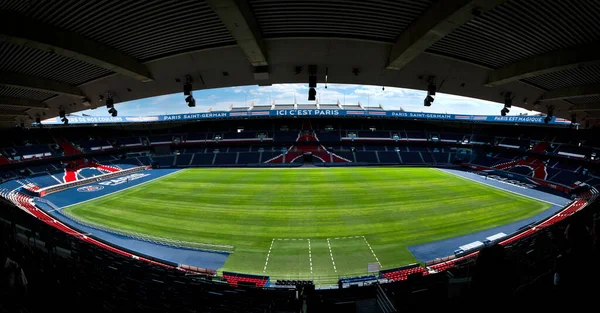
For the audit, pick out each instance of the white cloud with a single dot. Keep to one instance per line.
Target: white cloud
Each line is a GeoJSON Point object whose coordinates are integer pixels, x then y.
{"type": "Point", "coordinates": [391, 99]}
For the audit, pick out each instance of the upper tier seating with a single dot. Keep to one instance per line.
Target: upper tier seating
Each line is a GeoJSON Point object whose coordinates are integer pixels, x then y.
{"type": "Point", "coordinates": [286, 136]}
{"type": "Point", "coordinates": [327, 136]}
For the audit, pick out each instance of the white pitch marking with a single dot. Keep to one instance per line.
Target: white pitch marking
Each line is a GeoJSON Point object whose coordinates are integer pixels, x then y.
{"type": "Point", "coordinates": [331, 254]}
{"type": "Point", "coordinates": [371, 250]}
{"type": "Point", "coordinates": [268, 254]}
{"type": "Point", "coordinates": [498, 187]}
{"type": "Point", "coordinates": [310, 256]}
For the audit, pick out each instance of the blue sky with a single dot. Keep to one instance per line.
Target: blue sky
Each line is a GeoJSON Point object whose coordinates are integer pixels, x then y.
{"type": "Point", "coordinates": [222, 98]}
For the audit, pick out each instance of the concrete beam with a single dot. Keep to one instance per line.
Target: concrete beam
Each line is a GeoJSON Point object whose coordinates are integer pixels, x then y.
{"type": "Point", "coordinates": [439, 20]}
{"type": "Point", "coordinates": [12, 113]}
{"type": "Point", "coordinates": [238, 18]}
{"type": "Point", "coordinates": [554, 61]}
{"type": "Point", "coordinates": [22, 31]}
{"type": "Point", "coordinates": [588, 107]}
{"type": "Point", "coordinates": [41, 84]}
{"type": "Point", "coordinates": [572, 92]}
{"type": "Point", "coordinates": [7, 119]}
{"type": "Point", "coordinates": [23, 103]}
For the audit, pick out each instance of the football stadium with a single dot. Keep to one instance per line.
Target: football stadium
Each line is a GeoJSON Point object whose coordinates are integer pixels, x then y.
{"type": "Point", "coordinates": [228, 155]}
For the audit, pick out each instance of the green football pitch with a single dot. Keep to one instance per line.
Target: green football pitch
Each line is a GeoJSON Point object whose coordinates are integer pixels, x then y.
{"type": "Point", "coordinates": [308, 223]}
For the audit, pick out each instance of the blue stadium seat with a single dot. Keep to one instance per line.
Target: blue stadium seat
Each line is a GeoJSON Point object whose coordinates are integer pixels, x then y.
{"type": "Point", "coordinates": [373, 134]}
{"type": "Point", "coordinates": [440, 157]}
{"type": "Point", "coordinates": [286, 136]}
{"type": "Point", "coordinates": [375, 148]}
{"type": "Point", "coordinates": [346, 155]}
{"type": "Point", "coordinates": [427, 157]}
{"type": "Point", "coordinates": [194, 150]}
{"type": "Point", "coordinates": [520, 170]}
{"type": "Point", "coordinates": [160, 138]}
{"type": "Point", "coordinates": [225, 159]}
{"type": "Point", "coordinates": [43, 180]}
{"type": "Point", "coordinates": [40, 168]}
{"type": "Point", "coordinates": [104, 158]}
{"type": "Point", "coordinates": [389, 157]}
{"type": "Point", "coordinates": [416, 135]}
{"type": "Point", "coordinates": [145, 160]}
{"type": "Point", "coordinates": [203, 159]}
{"type": "Point", "coordinates": [90, 172]}
{"type": "Point", "coordinates": [196, 136]}
{"type": "Point", "coordinates": [248, 157]}
{"type": "Point", "coordinates": [164, 161]}
{"type": "Point", "coordinates": [411, 158]}
{"type": "Point", "coordinates": [328, 136]}
{"type": "Point", "coordinates": [238, 149]}
{"type": "Point", "coordinates": [184, 159]}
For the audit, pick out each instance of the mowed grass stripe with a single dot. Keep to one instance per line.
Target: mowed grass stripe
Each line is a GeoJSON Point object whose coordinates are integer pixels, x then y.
{"type": "Point", "coordinates": [246, 208]}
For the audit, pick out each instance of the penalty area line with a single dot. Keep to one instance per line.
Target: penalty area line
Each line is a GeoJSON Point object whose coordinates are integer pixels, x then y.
{"type": "Point", "coordinates": [268, 254]}
{"type": "Point", "coordinates": [331, 254]}
{"type": "Point", "coordinates": [499, 188]}
{"type": "Point", "coordinates": [310, 256]}
{"type": "Point", "coordinates": [373, 252]}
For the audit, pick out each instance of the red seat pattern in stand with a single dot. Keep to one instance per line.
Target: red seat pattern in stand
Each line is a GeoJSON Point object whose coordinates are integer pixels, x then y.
{"type": "Point", "coordinates": [75, 166]}
{"type": "Point", "coordinates": [234, 280]}
{"type": "Point", "coordinates": [4, 161]}
{"type": "Point", "coordinates": [316, 150]}
{"type": "Point", "coordinates": [25, 202]}
{"type": "Point", "coordinates": [404, 273]}
{"type": "Point", "coordinates": [536, 165]}
{"type": "Point", "coordinates": [68, 148]}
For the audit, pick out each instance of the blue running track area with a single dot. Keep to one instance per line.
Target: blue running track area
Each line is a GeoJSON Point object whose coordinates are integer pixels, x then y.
{"type": "Point", "coordinates": [179, 255]}
{"type": "Point", "coordinates": [443, 248]}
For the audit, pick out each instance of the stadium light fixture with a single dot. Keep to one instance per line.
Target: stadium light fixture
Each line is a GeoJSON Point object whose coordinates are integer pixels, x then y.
{"type": "Point", "coordinates": [312, 94]}
{"type": "Point", "coordinates": [431, 89]}
{"type": "Point", "coordinates": [191, 102]}
{"type": "Point", "coordinates": [428, 100]}
{"type": "Point", "coordinates": [113, 112]}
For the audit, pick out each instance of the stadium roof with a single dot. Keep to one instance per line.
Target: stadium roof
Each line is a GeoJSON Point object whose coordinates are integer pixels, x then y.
{"type": "Point", "coordinates": [68, 53]}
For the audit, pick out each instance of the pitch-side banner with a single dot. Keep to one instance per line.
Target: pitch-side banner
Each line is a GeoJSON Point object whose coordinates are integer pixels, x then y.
{"type": "Point", "coordinates": [523, 119]}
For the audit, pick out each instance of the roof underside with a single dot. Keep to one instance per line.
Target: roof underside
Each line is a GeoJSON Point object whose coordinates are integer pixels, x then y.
{"type": "Point", "coordinates": [65, 53]}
